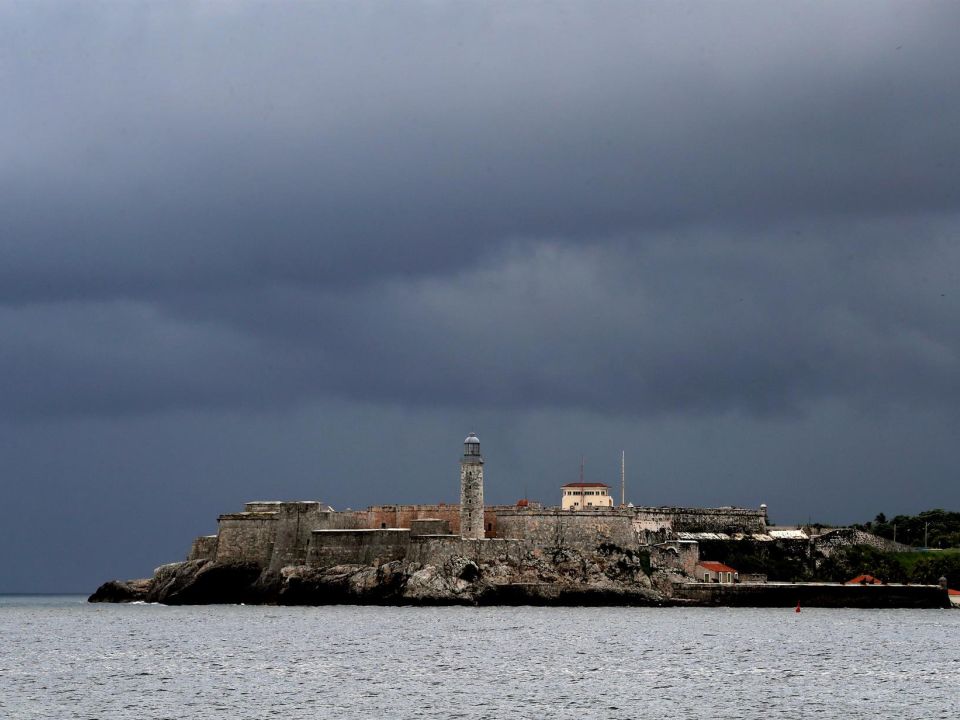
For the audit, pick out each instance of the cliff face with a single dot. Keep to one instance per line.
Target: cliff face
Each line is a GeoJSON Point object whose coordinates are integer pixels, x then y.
{"type": "Point", "coordinates": [610, 575]}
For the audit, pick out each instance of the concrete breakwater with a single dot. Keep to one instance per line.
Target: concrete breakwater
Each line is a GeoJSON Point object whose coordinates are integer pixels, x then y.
{"type": "Point", "coordinates": [827, 595]}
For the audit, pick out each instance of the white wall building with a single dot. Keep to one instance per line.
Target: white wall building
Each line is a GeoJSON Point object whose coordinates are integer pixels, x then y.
{"type": "Point", "coordinates": [578, 496]}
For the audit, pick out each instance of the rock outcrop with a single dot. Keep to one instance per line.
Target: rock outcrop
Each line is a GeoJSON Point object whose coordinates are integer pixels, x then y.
{"type": "Point", "coordinates": [119, 591]}
{"type": "Point", "coordinates": [608, 576]}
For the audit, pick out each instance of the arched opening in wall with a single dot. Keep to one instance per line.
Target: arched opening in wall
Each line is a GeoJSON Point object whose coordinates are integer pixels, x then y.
{"type": "Point", "coordinates": [383, 526]}
{"type": "Point", "coordinates": [489, 527]}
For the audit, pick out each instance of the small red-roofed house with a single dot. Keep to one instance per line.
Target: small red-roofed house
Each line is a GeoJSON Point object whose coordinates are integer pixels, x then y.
{"type": "Point", "coordinates": [717, 572]}
{"type": "Point", "coordinates": [864, 580]}
{"type": "Point", "coordinates": [954, 596]}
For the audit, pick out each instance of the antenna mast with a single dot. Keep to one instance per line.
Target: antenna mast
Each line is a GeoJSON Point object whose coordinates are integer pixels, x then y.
{"type": "Point", "coordinates": [623, 478]}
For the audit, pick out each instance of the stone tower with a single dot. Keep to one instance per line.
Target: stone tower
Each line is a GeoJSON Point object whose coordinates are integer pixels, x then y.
{"type": "Point", "coordinates": [471, 489]}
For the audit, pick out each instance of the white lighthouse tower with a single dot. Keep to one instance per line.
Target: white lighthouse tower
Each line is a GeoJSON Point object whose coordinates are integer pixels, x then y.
{"type": "Point", "coordinates": [471, 489]}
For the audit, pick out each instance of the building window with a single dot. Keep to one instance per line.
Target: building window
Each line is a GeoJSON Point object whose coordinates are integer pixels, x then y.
{"type": "Point", "coordinates": [706, 577]}
{"type": "Point", "coordinates": [383, 526]}
{"type": "Point", "coordinates": [489, 527]}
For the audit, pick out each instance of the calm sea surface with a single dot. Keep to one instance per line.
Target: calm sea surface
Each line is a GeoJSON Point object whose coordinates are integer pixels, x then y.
{"type": "Point", "coordinates": [62, 658]}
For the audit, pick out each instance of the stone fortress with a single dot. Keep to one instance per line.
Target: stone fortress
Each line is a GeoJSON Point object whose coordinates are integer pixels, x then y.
{"type": "Point", "coordinates": [279, 534]}
{"type": "Point", "coordinates": [585, 552]}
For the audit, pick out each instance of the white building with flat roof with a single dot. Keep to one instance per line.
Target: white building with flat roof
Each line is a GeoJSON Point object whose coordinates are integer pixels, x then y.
{"type": "Point", "coordinates": [577, 496]}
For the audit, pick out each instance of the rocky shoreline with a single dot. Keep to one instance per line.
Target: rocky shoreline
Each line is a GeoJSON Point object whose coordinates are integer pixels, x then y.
{"type": "Point", "coordinates": [610, 576]}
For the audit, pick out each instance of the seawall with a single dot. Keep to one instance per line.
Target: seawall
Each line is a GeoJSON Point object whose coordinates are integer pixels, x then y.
{"type": "Point", "coordinates": [813, 595]}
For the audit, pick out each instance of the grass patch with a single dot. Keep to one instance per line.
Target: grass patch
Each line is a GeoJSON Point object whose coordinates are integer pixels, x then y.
{"type": "Point", "coordinates": [909, 560]}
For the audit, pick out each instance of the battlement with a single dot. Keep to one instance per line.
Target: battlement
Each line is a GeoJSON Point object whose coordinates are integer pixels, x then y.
{"type": "Point", "coordinates": [581, 529]}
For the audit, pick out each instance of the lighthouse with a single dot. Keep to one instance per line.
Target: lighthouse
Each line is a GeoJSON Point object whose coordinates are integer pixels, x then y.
{"type": "Point", "coordinates": [471, 489]}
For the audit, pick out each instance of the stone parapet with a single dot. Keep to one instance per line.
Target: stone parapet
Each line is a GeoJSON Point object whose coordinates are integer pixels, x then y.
{"type": "Point", "coordinates": [203, 548]}
{"type": "Point", "coordinates": [577, 529]}
{"type": "Point", "coordinates": [656, 524]}
{"type": "Point", "coordinates": [357, 547]}
{"type": "Point", "coordinates": [429, 526]}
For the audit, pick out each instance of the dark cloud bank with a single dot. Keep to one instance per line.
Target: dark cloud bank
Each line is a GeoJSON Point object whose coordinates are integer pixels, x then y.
{"type": "Point", "coordinates": [271, 251]}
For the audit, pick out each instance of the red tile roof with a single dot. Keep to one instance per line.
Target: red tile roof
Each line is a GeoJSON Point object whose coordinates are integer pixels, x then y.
{"type": "Point", "coordinates": [586, 485]}
{"type": "Point", "coordinates": [953, 592]}
{"type": "Point", "coordinates": [715, 566]}
{"type": "Point", "coordinates": [865, 580]}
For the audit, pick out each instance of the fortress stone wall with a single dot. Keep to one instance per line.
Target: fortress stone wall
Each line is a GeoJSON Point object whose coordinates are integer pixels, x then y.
{"type": "Point", "coordinates": [277, 534]}
{"type": "Point", "coordinates": [246, 537]}
{"type": "Point", "coordinates": [203, 548]}
{"type": "Point", "coordinates": [440, 550]}
{"type": "Point", "coordinates": [357, 547]}
{"type": "Point", "coordinates": [295, 523]}
{"type": "Point", "coordinates": [389, 516]}
{"type": "Point", "coordinates": [578, 529]}
{"type": "Point", "coordinates": [658, 524]}
{"type": "Point", "coordinates": [378, 546]}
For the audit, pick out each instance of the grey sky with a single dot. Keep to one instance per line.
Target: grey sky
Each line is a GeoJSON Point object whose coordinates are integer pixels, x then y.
{"type": "Point", "coordinates": [298, 251]}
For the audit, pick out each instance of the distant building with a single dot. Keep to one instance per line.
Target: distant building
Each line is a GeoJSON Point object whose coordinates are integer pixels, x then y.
{"type": "Point", "coordinates": [715, 572]}
{"type": "Point", "coordinates": [577, 496]}
{"type": "Point", "coordinates": [954, 596]}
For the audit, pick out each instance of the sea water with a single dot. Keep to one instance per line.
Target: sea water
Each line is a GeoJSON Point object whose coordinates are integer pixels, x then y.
{"type": "Point", "coordinates": [62, 658]}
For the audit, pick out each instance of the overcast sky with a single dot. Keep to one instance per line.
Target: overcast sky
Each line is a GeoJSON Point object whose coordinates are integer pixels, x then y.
{"type": "Point", "coordinates": [299, 251]}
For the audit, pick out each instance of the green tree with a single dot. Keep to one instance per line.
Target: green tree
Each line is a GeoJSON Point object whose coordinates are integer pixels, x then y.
{"type": "Point", "coordinates": [934, 528]}
{"type": "Point", "coordinates": [847, 563]}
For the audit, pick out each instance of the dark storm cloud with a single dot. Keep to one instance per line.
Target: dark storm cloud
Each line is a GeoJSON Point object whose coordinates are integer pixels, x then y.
{"type": "Point", "coordinates": [170, 147]}
{"type": "Point", "coordinates": [626, 209]}
{"type": "Point", "coordinates": [297, 250]}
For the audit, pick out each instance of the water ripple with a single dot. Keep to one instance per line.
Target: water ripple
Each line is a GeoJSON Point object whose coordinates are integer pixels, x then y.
{"type": "Point", "coordinates": [66, 659]}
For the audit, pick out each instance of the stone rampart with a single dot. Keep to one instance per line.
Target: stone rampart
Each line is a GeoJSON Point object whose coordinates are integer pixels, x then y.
{"type": "Point", "coordinates": [442, 549]}
{"type": "Point", "coordinates": [295, 523]}
{"type": "Point", "coordinates": [400, 516]}
{"type": "Point", "coordinates": [357, 547]}
{"type": "Point", "coordinates": [377, 546]}
{"type": "Point", "coordinates": [581, 530]}
{"type": "Point", "coordinates": [728, 520]}
{"type": "Point", "coordinates": [656, 524]}
{"type": "Point", "coordinates": [203, 548]}
{"type": "Point", "coordinates": [279, 534]}
{"type": "Point", "coordinates": [429, 526]}
{"type": "Point", "coordinates": [262, 506]}
{"type": "Point", "coordinates": [246, 536]}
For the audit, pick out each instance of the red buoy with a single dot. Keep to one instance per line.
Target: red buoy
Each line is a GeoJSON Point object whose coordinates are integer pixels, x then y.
{"type": "Point", "coordinates": [798, 607]}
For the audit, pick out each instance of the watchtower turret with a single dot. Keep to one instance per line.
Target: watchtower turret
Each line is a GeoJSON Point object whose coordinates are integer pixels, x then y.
{"type": "Point", "coordinates": [471, 489]}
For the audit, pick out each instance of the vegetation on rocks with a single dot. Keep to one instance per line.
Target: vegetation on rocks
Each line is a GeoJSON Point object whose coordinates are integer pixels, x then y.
{"type": "Point", "coordinates": [924, 568]}
{"type": "Point", "coordinates": [797, 562]}
{"type": "Point", "coordinates": [931, 528]}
